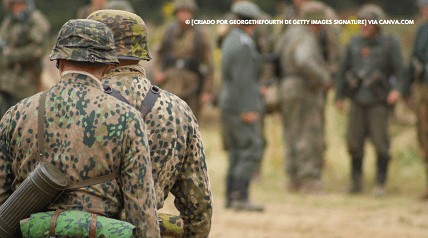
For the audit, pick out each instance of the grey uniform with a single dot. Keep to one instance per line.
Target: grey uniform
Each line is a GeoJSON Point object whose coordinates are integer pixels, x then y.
{"type": "Point", "coordinates": [240, 94]}
{"type": "Point", "coordinates": [365, 76]}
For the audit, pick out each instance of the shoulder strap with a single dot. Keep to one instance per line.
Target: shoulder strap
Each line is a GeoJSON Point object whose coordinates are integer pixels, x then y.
{"type": "Point", "coordinates": [114, 93]}
{"type": "Point", "coordinates": [41, 142]}
{"type": "Point", "coordinates": [93, 181]}
{"type": "Point", "coordinates": [41, 124]}
{"type": "Point", "coordinates": [150, 100]}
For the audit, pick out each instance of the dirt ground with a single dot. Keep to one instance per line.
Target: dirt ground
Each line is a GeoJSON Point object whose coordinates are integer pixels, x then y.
{"type": "Point", "coordinates": [331, 214]}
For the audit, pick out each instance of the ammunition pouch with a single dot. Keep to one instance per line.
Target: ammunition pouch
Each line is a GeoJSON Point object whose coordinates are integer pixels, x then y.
{"type": "Point", "coordinates": [352, 83]}
{"type": "Point", "coordinates": [379, 85]}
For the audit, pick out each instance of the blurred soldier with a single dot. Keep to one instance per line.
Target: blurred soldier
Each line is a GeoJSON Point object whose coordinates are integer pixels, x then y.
{"type": "Point", "coordinates": [371, 61]}
{"type": "Point", "coordinates": [184, 62]}
{"type": "Point", "coordinates": [418, 75]}
{"type": "Point", "coordinates": [328, 36]}
{"type": "Point", "coordinates": [304, 79]}
{"type": "Point", "coordinates": [123, 5]}
{"type": "Point", "coordinates": [263, 39]}
{"type": "Point", "coordinates": [175, 143]}
{"type": "Point", "coordinates": [241, 107]}
{"type": "Point", "coordinates": [93, 6]}
{"type": "Point", "coordinates": [22, 37]}
{"type": "Point", "coordinates": [88, 134]}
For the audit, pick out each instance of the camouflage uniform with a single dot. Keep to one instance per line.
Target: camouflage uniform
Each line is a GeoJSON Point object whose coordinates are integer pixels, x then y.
{"type": "Point", "coordinates": [365, 76]}
{"type": "Point", "coordinates": [88, 134]}
{"type": "Point", "coordinates": [240, 94]}
{"type": "Point", "coordinates": [23, 40]}
{"type": "Point", "coordinates": [417, 74]}
{"type": "Point", "coordinates": [176, 148]}
{"type": "Point", "coordinates": [304, 78]}
{"type": "Point", "coordinates": [185, 58]}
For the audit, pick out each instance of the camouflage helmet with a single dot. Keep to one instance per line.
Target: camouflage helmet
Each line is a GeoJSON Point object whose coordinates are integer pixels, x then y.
{"type": "Point", "coordinates": [246, 9]}
{"type": "Point", "coordinates": [85, 41]}
{"type": "Point", "coordinates": [185, 4]}
{"type": "Point", "coordinates": [129, 30]}
{"type": "Point", "coordinates": [371, 12]}
{"type": "Point", "coordinates": [313, 10]}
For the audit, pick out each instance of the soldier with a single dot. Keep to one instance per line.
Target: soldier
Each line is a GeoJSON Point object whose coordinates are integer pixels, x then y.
{"type": "Point", "coordinates": [93, 6]}
{"type": "Point", "coordinates": [366, 74]}
{"type": "Point", "coordinates": [175, 143]}
{"type": "Point", "coordinates": [418, 75]}
{"type": "Point", "coordinates": [22, 37]}
{"type": "Point", "coordinates": [241, 107]}
{"type": "Point", "coordinates": [184, 62]}
{"type": "Point", "coordinates": [87, 134]}
{"type": "Point", "coordinates": [304, 79]}
{"type": "Point", "coordinates": [123, 5]}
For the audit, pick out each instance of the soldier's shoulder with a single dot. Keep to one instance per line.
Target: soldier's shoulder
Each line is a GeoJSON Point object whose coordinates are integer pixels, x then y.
{"type": "Point", "coordinates": [177, 106]}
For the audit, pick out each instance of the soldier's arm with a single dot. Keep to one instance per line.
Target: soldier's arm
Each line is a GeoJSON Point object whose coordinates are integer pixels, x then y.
{"type": "Point", "coordinates": [208, 61]}
{"type": "Point", "coordinates": [192, 191]}
{"type": "Point", "coordinates": [396, 58]}
{"type": "Point", "coordinates": [6, 176]}
{"type": "Point", "coordinates": [38, 34]}
{"type": "Point", "coordinates": [136, 180]}
{"type": "Point", "coordinates": [340, 79]}
{"type": "Point", "coordinates": [311, 63]}
{"type": "Point", "coordinates": [243, 76]}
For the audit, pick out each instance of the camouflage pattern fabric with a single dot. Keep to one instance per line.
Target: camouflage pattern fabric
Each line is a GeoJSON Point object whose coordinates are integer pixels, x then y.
{"type": "Point", "coordinates": [85, 41]}
{"type": "Point", "coordinates": [171, 226]}
{"type": "Point", "coordinates": [88, 134]}
{"type": "Point", "coordinates": [305, 77]}
{"type": "Point", "coordinates": [176, 150]}
{"type": "Point", "coordinates": [74, 224]}
{"type": "Point", "coordinates": [21, 56]}
{"type": "Point", "coordinates": [130, 33]}
{"type": "Point", "coordinates": [179, 80]}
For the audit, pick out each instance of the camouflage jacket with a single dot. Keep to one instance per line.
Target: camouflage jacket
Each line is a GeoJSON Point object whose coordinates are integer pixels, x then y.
{"type": "Point", "coordinates": [176, 149]}
{"type": "Point", "coordinates": [301, 61]}
{"type": "Point", "coordinates": [180, 50]}
{"type": "Point", "coordinates": [23, 42]}
{"type": "Point", "coordinates": [88, 134]}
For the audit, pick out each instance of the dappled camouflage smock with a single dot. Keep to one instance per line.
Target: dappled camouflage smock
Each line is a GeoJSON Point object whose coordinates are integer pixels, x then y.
{"type": "Point", "coordinates": [176, 150]}
{"type": "Point", "coordinates": [87, 134]}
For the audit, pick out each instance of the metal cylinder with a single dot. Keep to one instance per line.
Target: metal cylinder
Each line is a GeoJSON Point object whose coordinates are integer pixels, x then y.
{"type": "Point", "coordinates": [35, 194]}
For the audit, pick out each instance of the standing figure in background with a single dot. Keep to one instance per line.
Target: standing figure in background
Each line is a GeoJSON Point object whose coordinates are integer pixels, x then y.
{"type": "Point", "coordinates": [184, 62]}
{"type": "Point", "coordinates": [23, 34]}
{"type": "Point", "coordinates": [241, 107]}
{"type": "Point", "coordinates": [304, 79]}
{"type": "Point", "coordinates": [417, 74]}
{"type": "Point", "coordinates": [370, 66]}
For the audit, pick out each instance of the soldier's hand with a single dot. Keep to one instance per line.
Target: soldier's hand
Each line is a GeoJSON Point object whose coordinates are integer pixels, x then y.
{"type": "Point", "coordinates": [159, 78]}
{"type": "Point", "coordinates": [206, 98]}
{"type": "Point", "coordinates": [249, 117]}
{"type": "Point", "coordinates": [393, 97]}
{"type": "Point", "coordinates": [340, 104]}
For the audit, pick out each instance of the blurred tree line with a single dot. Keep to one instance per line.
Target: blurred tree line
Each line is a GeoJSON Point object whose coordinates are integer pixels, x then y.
{"type": "Point", "coordinates": [59, 11]}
